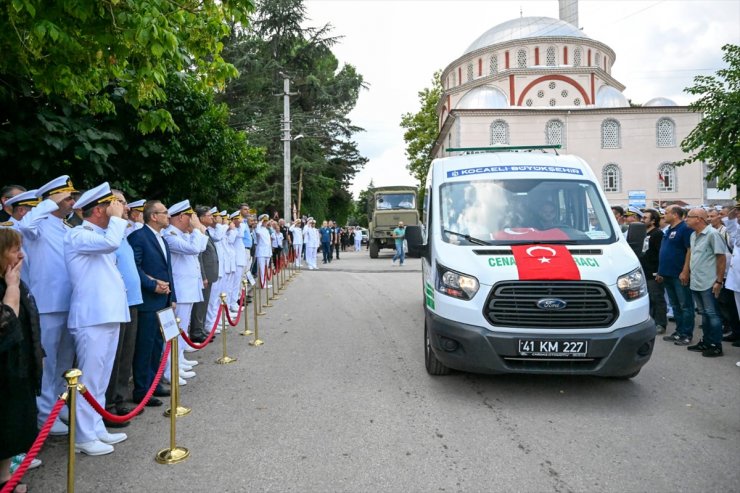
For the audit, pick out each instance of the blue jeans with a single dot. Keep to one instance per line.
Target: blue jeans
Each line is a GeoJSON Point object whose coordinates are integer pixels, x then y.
{"type": "Point", "coordinates": [683, 305]}
{"type": "Point", "coordinates": [399, 253]}
{"type": "Point", "coordinates": [711, 324]}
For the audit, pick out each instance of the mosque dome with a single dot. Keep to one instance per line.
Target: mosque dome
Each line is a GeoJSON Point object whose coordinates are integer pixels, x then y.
{"type": "Point", "coordinates": [483, 98]}
{"type": "Point", "coordinates": [609, 97]}
{"type": "Point", "coordinates": [526, 27]}
{"type": "Point", "coordinates": [661, 102]}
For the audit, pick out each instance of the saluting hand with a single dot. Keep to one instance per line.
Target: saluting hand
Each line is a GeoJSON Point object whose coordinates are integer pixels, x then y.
{"type": "Point", "coordinates": [115, 209]}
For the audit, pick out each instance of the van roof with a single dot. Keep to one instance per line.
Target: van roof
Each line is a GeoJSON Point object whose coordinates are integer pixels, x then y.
{"type": "Point", "coordinates": [513, 165]}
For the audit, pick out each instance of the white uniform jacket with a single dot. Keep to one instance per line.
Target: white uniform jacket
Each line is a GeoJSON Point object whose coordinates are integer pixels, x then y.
{"type": "Point", "coordinates": [239, 253]}
{"type": "Point", "coordinates": [311, 237]}
{"type": "Point", "coordinates": [218, 232]}
{"type": "Point", "coordinates": [229, 239]}
{"type": "Point", "coordinates": [44, 239]}
{"type": "Point", "coordinates": [98, 291]}
{"type": "Point", "coordinates": [733, 274]}
{"type": "Point", "coordinates": [297, 235]}
{"type": "Point", "coordinates": [185, 248]}
{"type": "Point", "coordinates": [264, 242]}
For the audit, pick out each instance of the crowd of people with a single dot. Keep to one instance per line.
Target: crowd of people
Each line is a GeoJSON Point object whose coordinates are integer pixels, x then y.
{"type": "Point", "coordinates": [82, 277]}
{"type": "Point", "coordinates": [691, 260]}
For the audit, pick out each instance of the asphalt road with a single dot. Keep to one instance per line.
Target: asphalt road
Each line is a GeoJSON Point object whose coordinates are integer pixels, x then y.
{"type": "Point", "coordinates": [338, 399]}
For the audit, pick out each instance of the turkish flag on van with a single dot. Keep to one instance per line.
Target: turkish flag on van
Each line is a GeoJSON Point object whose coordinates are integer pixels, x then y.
{"type": "Point", "coordinates": [545, 263]}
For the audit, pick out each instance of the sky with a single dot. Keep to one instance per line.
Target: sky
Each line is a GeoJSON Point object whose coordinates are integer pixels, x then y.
{"type": "Point", "coordinates": [397, 45]}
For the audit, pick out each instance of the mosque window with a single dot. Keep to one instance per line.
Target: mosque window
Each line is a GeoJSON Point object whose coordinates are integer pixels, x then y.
{"type": "Point", "coordinates": [577, 102]}
{"type": "Point", "coordinates": [521, 58]}
{"type": "Point", "coordinates": [540, 93]}
{"type": "Point", "coordinates": [551, 85]}
{"type": "Point", "coordinates": [611, 177]}
{"type": "Point", "coordinates": [555, 132]}
{"type": "Point", "coordinates": [528, 102]}
{"type": "Point", "coordinates": [550, 57]}
{"type": "Point", "coordinates": [494, 64]}
{"type": "Point", "coordinates": [610, 134]}
{"type": "Point", "coordinates": [564, 93]}
{"type": "Point", "coordinates": [499, 132]}
{"type": "Point", "coordinates": [470, 72]}
{"type": "Point", "coordinates": [577, 57]}
{"type": "Point", "coordinates": [553, 102]}
{"type": "Point", "coordinates": [597, 59]}
{"type": "Point", "coordinates": [666, 133]}
{"type": "Point", "coordinates": [667, 178]}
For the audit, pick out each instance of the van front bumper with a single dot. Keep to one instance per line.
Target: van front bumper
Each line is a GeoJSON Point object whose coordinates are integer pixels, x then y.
{"type": "Point", "coordinates": [459, 346]}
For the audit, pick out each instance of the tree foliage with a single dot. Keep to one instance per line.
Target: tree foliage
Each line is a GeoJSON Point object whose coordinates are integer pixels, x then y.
{"type": "Point", "coordinates": [716, 139]}
{"type": "Point", "coordinates": [422, 129]}
{"type": "Point", "coordinates": [77, 49]}
{"type": "Point", "coordinates": [324, 94]}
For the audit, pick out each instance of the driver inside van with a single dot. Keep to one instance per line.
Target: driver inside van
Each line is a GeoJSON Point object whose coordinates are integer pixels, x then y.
{"type": "Point", "coordinates": [547, 217]}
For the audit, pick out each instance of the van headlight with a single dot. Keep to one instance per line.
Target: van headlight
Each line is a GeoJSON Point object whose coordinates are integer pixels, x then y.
{"type": "Point", "coordinates": [455, 284]}
{"type": "Point", "coordinates": [632, 285]}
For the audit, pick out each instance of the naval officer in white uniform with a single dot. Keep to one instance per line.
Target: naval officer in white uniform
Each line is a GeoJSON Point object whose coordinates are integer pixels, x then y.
{"type": "Point", "coordinates": [52, 289]}
{"type": "Point", "coordinates": [98, 307]}
{"type": "Point", "coordinates": [187, 239]}
{"type": "Point", "coordinates": [263, 248]}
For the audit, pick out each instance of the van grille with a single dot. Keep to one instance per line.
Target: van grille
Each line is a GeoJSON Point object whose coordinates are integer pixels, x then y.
{"type": "Point", "coordinates": [514, 304]}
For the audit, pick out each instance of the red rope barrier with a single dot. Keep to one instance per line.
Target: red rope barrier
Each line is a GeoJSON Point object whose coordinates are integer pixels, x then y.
{"type": "Point", "coordinates": [208, 340]}
{"type": "Point", "coordinates": [122, 419]}
{"type": "Point", "coordinates": [35, 448]}
{"type": "Point", "coordinates": [239, 313]}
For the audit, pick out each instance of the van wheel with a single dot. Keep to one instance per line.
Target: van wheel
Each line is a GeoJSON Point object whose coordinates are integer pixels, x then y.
{"type": "Point", "coordinates": [374, 249]}
{"type": "Point", "coordinates": [434, 366]}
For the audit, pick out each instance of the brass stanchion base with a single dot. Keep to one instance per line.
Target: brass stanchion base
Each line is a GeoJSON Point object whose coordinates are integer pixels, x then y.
{"type": "Point", "coordinates": [257, 342]}
{"type": "Point", "coordinates": [181, 411]}
{"type": "Point", "coordinates": [260, 314]}
{"type": "Point", "coordinates": [172, 456]}
{"type": "Point", "coordinates": [268, 304]}
{"type": "Point", "coordinates": [225, 360]}
{"type": "Point", "coordinates": [246, 333]}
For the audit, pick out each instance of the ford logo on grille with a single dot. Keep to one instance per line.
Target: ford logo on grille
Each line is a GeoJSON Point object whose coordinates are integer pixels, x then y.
{"type": "Point", "coordinates": [551, 304]}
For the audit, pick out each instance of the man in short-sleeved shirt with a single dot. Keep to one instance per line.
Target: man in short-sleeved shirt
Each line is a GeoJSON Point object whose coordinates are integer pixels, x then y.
{"type": "Point", "coordinates": [398, 235]}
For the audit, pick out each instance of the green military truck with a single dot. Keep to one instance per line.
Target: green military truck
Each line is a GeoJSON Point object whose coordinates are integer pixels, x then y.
{"type": "Point", "coordinates": [388, 206]}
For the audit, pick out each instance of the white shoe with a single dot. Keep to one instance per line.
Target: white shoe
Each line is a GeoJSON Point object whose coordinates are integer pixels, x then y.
{"type": "Point", "coordinates": [234, 308]}
{"type": "Point", "coordinates": [59, 429]}
{"type": "Point", "coordinates": [188, 362]}
{"type": "Point", "coordinates": [35, 463]}
{"type": "Point", "coordinates": [94, 447]}
{"type": "Point", "coordinates": [233, 315]}
{"type": "Point", "coordinates": [112, 438]}
{"type": "Point", "coordinates": [187, 374]}
{"type": "Point", "coordinates": [182, 382]}
{"type": "Point", "coordinates": [189, 349]}
{"type": "Point", "coordinates": [218, 331]}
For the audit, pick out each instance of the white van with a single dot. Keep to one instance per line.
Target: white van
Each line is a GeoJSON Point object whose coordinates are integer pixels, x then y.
{"type": "Point", "coordinates": [525, 270]}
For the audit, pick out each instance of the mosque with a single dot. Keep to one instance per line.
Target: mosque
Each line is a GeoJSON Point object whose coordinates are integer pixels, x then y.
{"type": "Point", "coordinates": [539, 80]}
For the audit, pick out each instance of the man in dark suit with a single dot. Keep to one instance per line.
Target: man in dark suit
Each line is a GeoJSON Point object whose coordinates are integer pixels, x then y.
{"type": "Point", "coordinates": [209, 270]}
{"type": "Point", "coordinates": [154, 263]}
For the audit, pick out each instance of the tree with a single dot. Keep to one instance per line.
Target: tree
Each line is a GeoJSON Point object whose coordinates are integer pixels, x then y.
{"type": "Point", "coordinates": [77, 49]}
{"type": "Point", "coordinates": [422, 129]}
{"type": "Point", "coordinates": [716, 139]}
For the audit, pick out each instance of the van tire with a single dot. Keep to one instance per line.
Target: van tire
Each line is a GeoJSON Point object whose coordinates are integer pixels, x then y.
{"type": "Point", "coordinates": [433, 365]}
{"type": "Point", "coordinates": [374, 248]}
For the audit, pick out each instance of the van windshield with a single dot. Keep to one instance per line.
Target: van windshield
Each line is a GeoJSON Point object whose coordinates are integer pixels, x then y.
{"type": "Point", "coordinates": [395, 201]}
{"type": "Point", "coordinates": [505, 212]}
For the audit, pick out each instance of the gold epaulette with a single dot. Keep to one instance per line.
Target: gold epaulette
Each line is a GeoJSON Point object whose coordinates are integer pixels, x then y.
{"type": "Point", "coordinates": [6, 224]}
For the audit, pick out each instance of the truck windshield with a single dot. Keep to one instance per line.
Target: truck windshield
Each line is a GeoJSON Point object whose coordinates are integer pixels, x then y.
{"type": "Point", "coordinates": [395, 201]}
{"type": "Point", "coordinates": [506, 212]}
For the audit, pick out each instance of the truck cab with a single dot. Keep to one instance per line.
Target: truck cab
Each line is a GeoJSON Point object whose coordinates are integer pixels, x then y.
{"type": "Point", "coordinates": [525, 270]}
{"type": "Point", "coordinates": [390, 205]}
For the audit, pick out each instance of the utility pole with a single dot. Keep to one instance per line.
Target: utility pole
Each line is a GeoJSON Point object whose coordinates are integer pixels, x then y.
{"type": "Point", "coordinates": [286, 146]}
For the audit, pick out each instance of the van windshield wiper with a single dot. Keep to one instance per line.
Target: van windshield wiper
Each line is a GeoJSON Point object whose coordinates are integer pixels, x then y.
{"type": "Point", "coordinates": [471, 239]}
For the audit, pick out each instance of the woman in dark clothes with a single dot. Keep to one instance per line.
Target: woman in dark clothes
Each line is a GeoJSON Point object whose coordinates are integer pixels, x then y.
{"type": "Point", "coordinates": [20, 357]}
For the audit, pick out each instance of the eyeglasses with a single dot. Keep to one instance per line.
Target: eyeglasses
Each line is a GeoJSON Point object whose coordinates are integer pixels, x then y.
{"type": "Point", "coordinates": [694, 217]}
{"type": "Point", "coordinates": [159, 212]}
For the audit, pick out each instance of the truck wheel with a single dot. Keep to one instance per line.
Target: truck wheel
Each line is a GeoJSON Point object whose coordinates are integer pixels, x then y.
{"type": "Point", "coordinates": [434, 366]}
{"type": "Point", "coordinates": [374, 249]}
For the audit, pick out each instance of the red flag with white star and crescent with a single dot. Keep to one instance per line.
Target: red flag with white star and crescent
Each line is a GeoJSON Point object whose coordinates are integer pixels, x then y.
{"type": "Point", "coordinates": [545, 263]}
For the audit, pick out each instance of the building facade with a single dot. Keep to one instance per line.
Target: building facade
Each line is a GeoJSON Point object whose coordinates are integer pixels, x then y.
{"type": "Point", "coordinates": [538, 80]}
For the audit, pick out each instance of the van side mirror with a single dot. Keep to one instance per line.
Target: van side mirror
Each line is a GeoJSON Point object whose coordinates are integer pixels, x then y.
{"type": "Point", "coordinates": [636, 233]}
{"type": "Point", "coordinates": [414, 239]}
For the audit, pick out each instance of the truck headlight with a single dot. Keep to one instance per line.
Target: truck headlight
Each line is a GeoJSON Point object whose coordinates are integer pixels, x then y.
{"type": "Point", "coordinates": [455, 284]}
{"type": "Point", "coordinates": [632, 285]}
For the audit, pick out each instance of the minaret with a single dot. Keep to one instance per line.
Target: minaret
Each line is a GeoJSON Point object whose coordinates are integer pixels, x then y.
{"type": "Point", "coordinates": [569, 11]}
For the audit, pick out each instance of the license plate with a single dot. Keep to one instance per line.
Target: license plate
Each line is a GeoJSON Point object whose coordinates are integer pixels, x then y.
{"type": "Point", "coordinates": [552, 348]}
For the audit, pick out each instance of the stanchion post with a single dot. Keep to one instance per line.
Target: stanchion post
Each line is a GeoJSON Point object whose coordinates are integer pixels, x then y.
{"type": "Point", "coordinates": [175, 378]}
{"type": "Point", "coordinates": [256, 341]}
{"type": "Point", "coordinates": [174, 454]}
{"type": "Point", "coordinates": [225, 359]}
{"type": "Point", "coordinates": [72, 376]}
{"type": "Point", "coordinates": [268, 298]}
{"type": "Point", "coordinates": [246, 332]}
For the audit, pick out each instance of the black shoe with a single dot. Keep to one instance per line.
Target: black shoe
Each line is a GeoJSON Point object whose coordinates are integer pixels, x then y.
{"type": "Point", "coordinates": [683, 341]}
{"type": "Point", "coordinates": [199, 339]}
{"type": "Point", "coordinates": [699, 347]}
{"type": "Point", "coordinates": [673, 337]}
{"type": "Point", "coordinates": [113, 424]}
{"type": "Point", "coordinates": [736, 344]}
{"type": "Point", "coordinates": [712, 351]}
{"type": "Point", "coordinates": [162, 393]}
{"type": "Point", "coordinates": [153, 402]}
{"type": "Point", "coordinates": [731, 338]}
{"type": "Point", "coordinates": [122, 410]}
